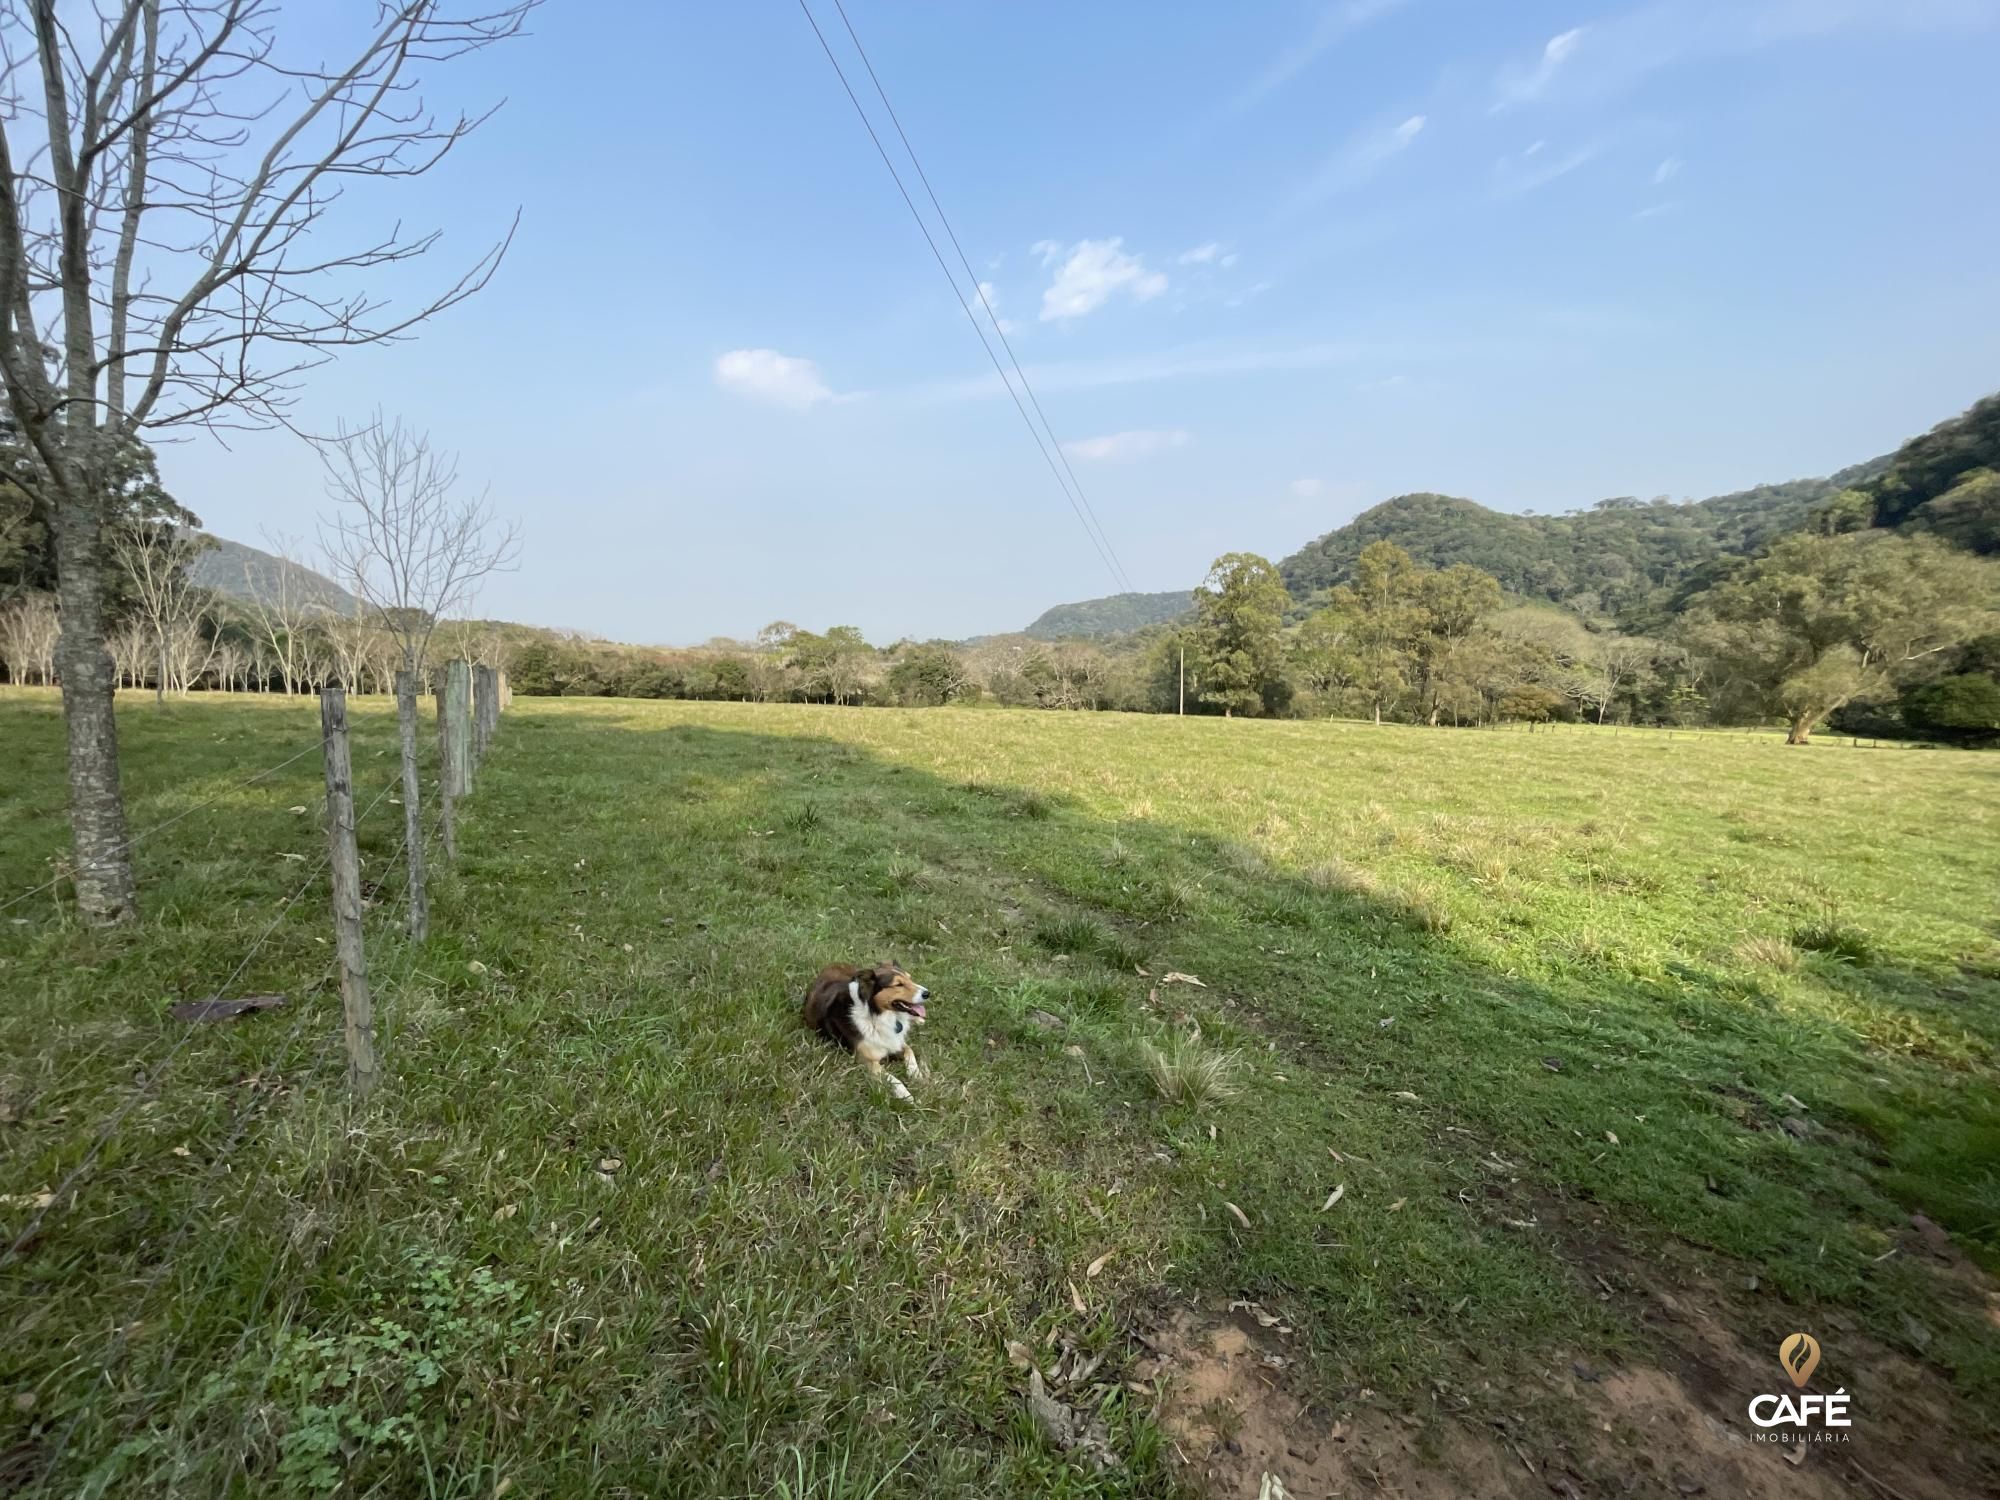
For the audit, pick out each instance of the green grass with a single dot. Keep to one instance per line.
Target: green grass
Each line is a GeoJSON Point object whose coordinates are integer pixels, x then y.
{"type": "Point", "coordinates": [789, 1285]}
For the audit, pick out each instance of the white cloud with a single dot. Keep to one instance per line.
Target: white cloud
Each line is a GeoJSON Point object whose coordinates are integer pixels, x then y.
{"type": "Point", "coordinates": [1653, 211]}
{"type": "Point", "coordinates": [1519, 85]}
{"type": "Point", "coordinates": [1047, 251]}
{"type": "Point", "coordinates": [1360, 158]}
{"type": "Point", "coordinates": [1093, 272]}
{"type": "Point", "coordinates": [1121, 447]}
{"type": "Point", "coordinates": [1666, 171]}
{"type": "Point", "coordinates": [1227, 261]}
{"type": "Point", "coordinates": [767, 375]}
{"type": "Point", "coordinates": [1201, 255]}
{"type": "Point", "coordinates": [1335, 21]}
{"type": "Point", "coordinates": [1306, 489]}
{"type": "Point", "coordinates": [1535, 149]}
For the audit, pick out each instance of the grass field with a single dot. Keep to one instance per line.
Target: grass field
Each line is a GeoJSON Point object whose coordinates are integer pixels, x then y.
{"type": "Point", "coordinates": [1629, 1056]}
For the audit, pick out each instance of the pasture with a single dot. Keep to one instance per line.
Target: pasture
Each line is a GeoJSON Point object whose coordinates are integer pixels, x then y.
{"type": "Point", "coordinates": [1628, 1056]}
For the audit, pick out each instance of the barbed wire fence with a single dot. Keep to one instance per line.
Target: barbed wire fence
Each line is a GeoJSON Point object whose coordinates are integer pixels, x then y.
{"type": "Point", "coordinates": [470, 702]}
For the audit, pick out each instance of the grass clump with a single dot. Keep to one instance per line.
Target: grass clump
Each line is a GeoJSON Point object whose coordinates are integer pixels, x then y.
{"type": "Point", "coordinates": [1777, 954]}
{"type": "Point", "coordinates": [1187, 1073]}
{"type": "Point", "coordinates": [1835, 938]}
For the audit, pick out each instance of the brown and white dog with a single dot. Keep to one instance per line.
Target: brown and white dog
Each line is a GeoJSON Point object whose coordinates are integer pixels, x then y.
{"type": "Point", "coordinates": [872, 1012]}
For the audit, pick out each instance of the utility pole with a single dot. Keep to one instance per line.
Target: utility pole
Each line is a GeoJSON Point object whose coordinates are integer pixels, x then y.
{"type": "Point", "coordinates": [1182, 710]}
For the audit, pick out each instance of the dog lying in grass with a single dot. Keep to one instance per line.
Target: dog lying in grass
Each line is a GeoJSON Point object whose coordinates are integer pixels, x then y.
{"type": "Point", "coordinates": [872, 1012]}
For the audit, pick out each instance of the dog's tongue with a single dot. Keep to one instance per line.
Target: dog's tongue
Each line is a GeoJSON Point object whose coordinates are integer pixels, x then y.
{"type": "Point", "coordinates": [915, 1008]}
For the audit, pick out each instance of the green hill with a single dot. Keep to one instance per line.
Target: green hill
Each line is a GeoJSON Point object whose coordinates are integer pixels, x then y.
{"type": "Point", "coordinates": [1120, 614]}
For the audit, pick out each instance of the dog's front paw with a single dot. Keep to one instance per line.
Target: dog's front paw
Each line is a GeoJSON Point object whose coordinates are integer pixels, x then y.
{"type": "Point", "coordinates": [896, 1088]}
{"type": "Point", "coordinates": [912, 1069]}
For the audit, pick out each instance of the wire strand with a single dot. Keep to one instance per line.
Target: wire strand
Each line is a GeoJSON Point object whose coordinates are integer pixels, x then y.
{"type": "Point", "coordinates": [973, 318]}
{"type": "Point", "coordinates": [124, 1111]}
{"type": "Point", "coordinates": [164, 823]}
{"type": "Point", "coordinates": [979, 288]}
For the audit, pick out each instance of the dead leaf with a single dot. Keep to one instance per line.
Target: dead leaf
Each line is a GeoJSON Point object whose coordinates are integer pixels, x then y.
{"type": "Point", "coordinates": [475, 967]}
{"type": "Point", "coordinates": [1076, 1299]}
{"type": "Point", "coordinates": [1142, 971]}
{"type": "Point", "coordinates": [216, 1009]}
{"type": "Point", "coordinates": [1020, 1355]}
{"type": "Point", "coordinates": [505, 1212]}
{"type": "Point", "coordinates": [1404, 1094]}
{"type": "Point", "coordinates": [1333, 1197]}
{"type": "Point", "coordinates": [182, 1151]}
{"type": "Point", "coordinates": [1611, 1136]}
{"type": "Point", "coordinates": [1097, 1265]}
{"type": "Point", "coordinates": [296, 811]}
{"type": "Point", "coordinates": [1397, 1206]}
{"type": "Point", "coordinates": [1175, 976]}
{"type": "Point", "coordinates": [610, 1163]}
{"type": "Point", "coordinates": [1240, 1216]}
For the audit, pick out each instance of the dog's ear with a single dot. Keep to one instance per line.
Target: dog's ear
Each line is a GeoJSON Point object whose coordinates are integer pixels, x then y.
{"type": "Point", "coordinates": [869, 980]}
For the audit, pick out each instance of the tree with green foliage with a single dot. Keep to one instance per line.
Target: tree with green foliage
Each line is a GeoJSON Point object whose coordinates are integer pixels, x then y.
{"type": "Point", "coordinates": [930, 676]}
{"type": "Point", "coordinates": [1965, 707]}
{"type": "Point", "coordinates": [1820, 620]}
{"type": "Point", "coordinates": [1383, 601]}
{"type": "Point", "coordinates": [1240, 608]}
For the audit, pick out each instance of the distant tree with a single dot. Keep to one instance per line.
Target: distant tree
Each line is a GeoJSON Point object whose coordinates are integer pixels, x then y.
{"type": "Point", "coordinates": [1450, 605]}
{"type": "Point", "coordinates": [29, 629]}
{"type": "Point", "coordinates": [1241, 608]}
{"type": "Point", "coordinates": [284, 604]}
{"type": "Point", "coordinates": [157, 561]}
{"type": "Point", "coordinates": [1821, 620]}
{"type": "Point", "coordinates": [929, 676]}
{"type": "Point", "coordinates": [1383, 600]}
{"type": "Point", "coordinates": [413, 549]}
{"type": "Point", "coordinates": [1961, 707]}
{"type": "Point", "coordinates": [831, 665]}
{"type": "Point", "coordinates": [1322, 652]}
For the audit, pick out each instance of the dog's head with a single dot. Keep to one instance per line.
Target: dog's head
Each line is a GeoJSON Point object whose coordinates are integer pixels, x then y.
{"type": "Point", "coordinates": [887, 987]}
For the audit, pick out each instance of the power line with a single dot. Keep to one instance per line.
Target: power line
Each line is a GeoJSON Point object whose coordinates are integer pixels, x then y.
{"type": "Point", "coordinates": [1083, 517]}
{"type": "Point", "coordinates": [979, 288]}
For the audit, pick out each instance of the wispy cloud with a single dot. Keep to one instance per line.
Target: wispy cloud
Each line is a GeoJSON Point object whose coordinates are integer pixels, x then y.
{"type": "Point", "coordinates": [1514, 175]}
{"type": "Point", "coordinates": [1091, 273]}
{"type": "Point", "coordinates": [1666, 171]}
{"type": "Point", "coordinates": [1614, 54]}
{"type": "Point", "coordinates": [1306, 489]}
{"type": "Point", "coordinates": [1654, 210]}
{"type": "Point", "coordinates": [1201, 255]}
{"type": "Point", "coordinates": [767, 375]}
{"type": "Point", "coordinates": [1122, 447]}
{"type": "Point", "coordinates": [1518, 84]}
{"type": "Point", "coordinates": [1200, 361]}
{"type": "Point", "coordinates": [991, 297]}
{"type": "Point", "coordinates": [1333, 23]}
{"type": "Point", "coordinates": [1359, 158]}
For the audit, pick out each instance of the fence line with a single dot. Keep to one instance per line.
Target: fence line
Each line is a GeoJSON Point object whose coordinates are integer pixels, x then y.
{"type": "Point", "coordinates": [463, 743]}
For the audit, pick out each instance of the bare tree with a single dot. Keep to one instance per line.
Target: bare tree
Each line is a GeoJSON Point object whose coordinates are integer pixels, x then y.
{"type": "Point", "coordinates": [283, 603]}
{"type": "Point", "coordinates": [157, 561]}
{"type": "Point", "coordinates": [29, 628]}
{"type": "Point", "coordinates": [161, 266]}
{"type": "Point", "coordinates": [415, 550]}
{"type": "Point", "coordinates": [131, 644]}
{"type": "Point", "coordinates": [232, 663]}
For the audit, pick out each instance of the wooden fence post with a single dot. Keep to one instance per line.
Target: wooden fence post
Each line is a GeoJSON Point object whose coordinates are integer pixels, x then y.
{"type": "Point", "coordinates": [458, 725]}
{"type": "Point", "coordinates": [506, 694]}
{"type": "Point", "coordinates": [484, 700]}
{"type": "Point", "coordinates": [447, 797]}
{"type": "Point", "coordinates": [345, 864]}
{"type": "Point", "coordinates": [413, 813]}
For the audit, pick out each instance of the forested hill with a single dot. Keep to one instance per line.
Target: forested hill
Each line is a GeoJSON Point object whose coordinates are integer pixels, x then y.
{"type": "Point", "coordinates": [249, 573]}
{"type": "Point", "coordinates": [1631, 559]}
{"type": "Point", "coordinates": [1621, 557]}
{"type": "Point", "coordinates": [1120, 614]}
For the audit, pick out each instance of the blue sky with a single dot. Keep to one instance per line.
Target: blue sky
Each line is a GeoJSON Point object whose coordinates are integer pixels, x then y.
{"type": "Point", "coordinates": [1266, 264]}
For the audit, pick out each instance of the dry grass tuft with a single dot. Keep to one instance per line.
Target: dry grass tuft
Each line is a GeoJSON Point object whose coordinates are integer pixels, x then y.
{"type": "Point", "coordinates": [1185, 1072]}
{"type": "Point", "coordinates": [1774, 953]}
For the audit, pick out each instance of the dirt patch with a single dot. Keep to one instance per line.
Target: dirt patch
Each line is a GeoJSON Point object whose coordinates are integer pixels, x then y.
{"type": "Point", "coordinates": [1236, 1406]}
{"type": "Point", "coordinates": [1227, 1403]}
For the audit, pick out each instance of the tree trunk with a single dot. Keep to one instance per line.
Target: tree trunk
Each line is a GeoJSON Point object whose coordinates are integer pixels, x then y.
{"type": "Point", "coordinates": [105, 892]}
{"type": "Point", "coordinates": [1801, 730]}
{"type": "Point", "coordinates": [160, 686]}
